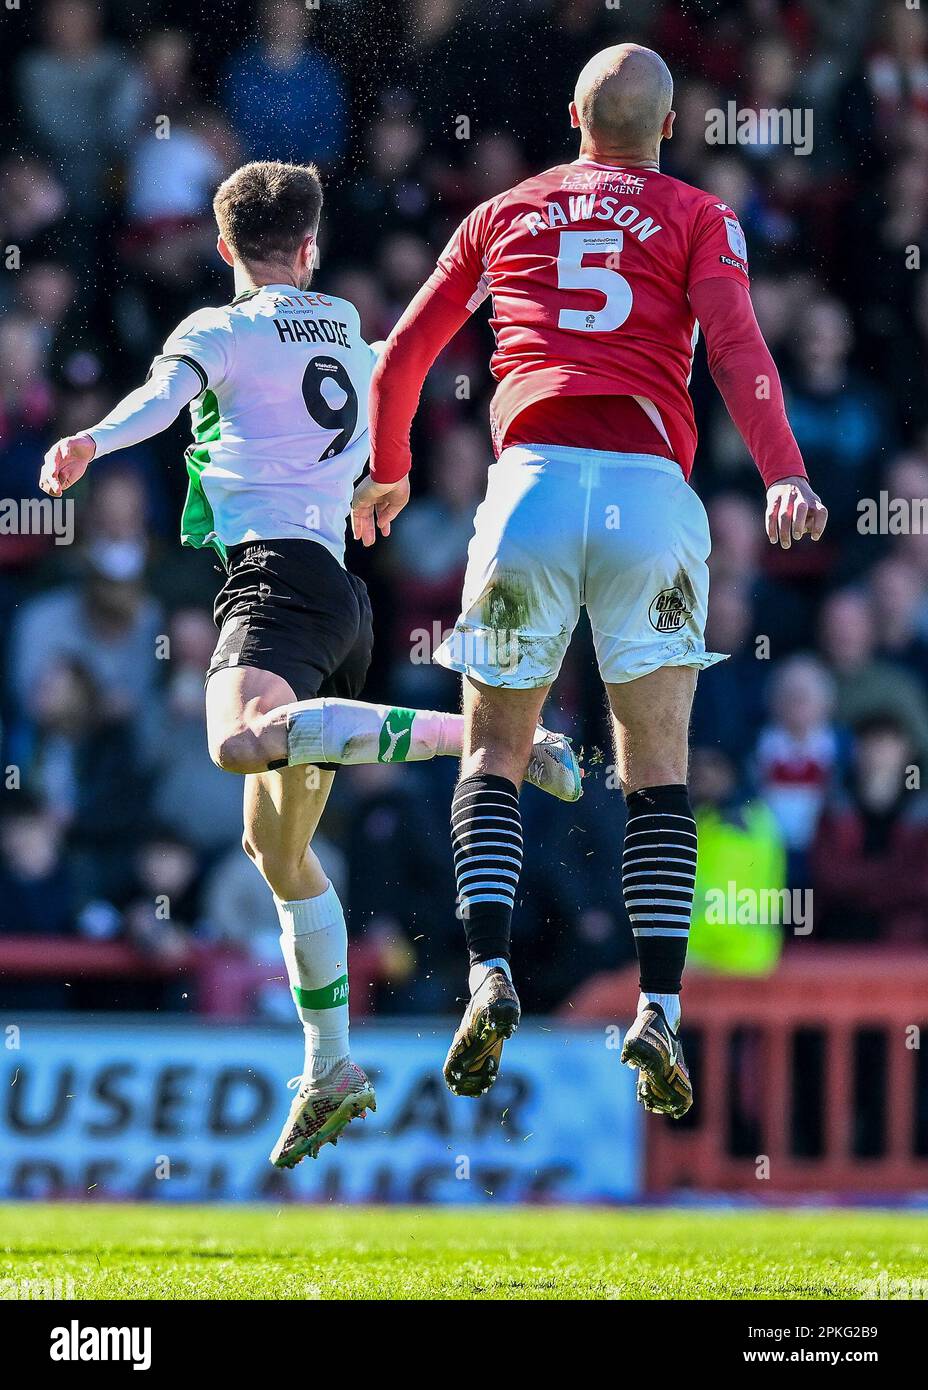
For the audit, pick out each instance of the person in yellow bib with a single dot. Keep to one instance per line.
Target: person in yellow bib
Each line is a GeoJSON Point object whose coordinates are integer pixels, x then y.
{"type": "Point", "coordinates": [741, 902]}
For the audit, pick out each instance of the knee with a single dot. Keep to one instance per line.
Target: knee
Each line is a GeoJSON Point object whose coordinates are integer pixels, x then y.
{"type": "Point", "coordinates": [282, 867]}
{"type": "Point", "coordinates": [238, 750]}
{"type": "Point", "coordinates": [269, 860]}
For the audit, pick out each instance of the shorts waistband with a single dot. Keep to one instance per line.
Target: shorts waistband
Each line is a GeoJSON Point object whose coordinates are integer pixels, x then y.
{"type": "Point", "coordinates": [559, 453]}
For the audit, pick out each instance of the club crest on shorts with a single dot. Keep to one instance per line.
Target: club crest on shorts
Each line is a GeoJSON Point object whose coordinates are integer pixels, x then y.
{"type": "Point", "coordinates": [669, 610]}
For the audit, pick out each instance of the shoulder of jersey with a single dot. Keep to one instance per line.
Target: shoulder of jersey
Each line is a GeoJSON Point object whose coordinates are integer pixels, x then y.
{"type": "Point", "coordinates": [335, 302]}
{"type": "Point", "coordinates": [696, 199]}
{"type": "Point", "coordinates": [212, 316]}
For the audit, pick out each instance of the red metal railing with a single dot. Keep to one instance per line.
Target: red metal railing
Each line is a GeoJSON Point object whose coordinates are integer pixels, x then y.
{"type": "Point", "coordinates": [223, 977]}
{"type": "Point", "coordinates": [834, 992]}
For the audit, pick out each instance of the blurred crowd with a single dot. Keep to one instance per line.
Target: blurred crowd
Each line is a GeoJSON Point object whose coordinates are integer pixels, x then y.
{"type": "Point", "coordinates": [808, 743]}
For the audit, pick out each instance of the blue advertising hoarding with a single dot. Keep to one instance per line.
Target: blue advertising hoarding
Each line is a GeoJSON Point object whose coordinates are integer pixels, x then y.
{"type": "Point", "coordinates": [188, 1110]}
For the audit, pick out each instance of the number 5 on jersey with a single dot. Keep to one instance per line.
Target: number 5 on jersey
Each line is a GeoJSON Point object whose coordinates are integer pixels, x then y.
{"type": "Point", "coordinates": [573, 275]}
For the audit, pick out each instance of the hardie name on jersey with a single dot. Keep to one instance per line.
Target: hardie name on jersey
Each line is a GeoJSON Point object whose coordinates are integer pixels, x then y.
{"type": "Point", "coordinates": [587, 207]}
{"type": "Point", "coordinates": [312, 331]}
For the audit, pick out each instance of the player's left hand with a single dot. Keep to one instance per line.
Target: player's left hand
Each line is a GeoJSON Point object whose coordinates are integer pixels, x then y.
{"type": "Point", "coordinates": [373, 507]}
{"type": "Point", "coordinates": [793, 510]}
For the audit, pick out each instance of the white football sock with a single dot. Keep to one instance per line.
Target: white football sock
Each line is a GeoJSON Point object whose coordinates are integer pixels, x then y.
{"type": "Point", "coordinates": [314, 941]}
{"type": "Point", "coordinates": [351, 731]}
{"type": "Point", "coordinates": [670, 1003]}
{"type": "Point", "coordinates": [478, 973]}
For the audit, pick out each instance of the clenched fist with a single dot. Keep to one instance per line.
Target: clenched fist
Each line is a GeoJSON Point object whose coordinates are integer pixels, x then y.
{"type": "Point", "coordinates": [793, 510]}
{"type": "Point", "coordinates": [65, 462]}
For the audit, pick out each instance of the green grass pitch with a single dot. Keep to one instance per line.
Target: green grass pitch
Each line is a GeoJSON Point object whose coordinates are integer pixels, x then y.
{"type": "Point", "coordinates": [401, 1253]}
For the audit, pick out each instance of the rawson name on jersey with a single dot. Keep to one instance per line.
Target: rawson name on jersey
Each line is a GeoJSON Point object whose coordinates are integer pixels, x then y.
{"type": "Point", "coordinates": [587, 206]}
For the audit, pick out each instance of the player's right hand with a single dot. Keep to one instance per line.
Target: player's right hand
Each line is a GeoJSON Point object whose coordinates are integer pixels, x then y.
{"type": "Point", "coordinates": [374, 505]}
{"type": "Point", "coordinates": [65, 462]}
{"type": "Point", "coordinates": [793, 510]}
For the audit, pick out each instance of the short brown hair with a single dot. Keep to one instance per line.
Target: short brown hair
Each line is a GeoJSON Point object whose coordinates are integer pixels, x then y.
{"type": "Point", "coordinates": [266, 208]}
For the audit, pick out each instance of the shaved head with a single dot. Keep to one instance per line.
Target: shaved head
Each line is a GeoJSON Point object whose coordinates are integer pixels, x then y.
{"type": "Point", "coordinates": [623, 96]}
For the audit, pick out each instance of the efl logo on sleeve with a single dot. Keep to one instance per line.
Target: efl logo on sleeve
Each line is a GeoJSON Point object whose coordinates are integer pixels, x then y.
{"type": "Point", "coordinates": [736, 238]}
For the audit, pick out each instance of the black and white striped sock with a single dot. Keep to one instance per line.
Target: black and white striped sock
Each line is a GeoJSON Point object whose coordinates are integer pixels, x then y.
{"type": "Point", "coordinates": [658, 874]}
{"type": "Point", "coordinates": [486, 836]}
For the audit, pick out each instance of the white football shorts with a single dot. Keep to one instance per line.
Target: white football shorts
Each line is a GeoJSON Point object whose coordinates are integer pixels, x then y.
{"type": "Point", "coordinates": [623, 534]}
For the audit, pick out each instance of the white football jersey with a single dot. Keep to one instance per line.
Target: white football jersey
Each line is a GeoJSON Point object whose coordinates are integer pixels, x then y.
{"type": "Point", "coordinates": [280, 426]}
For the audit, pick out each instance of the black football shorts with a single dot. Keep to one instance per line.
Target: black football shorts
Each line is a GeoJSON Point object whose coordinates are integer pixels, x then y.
{"type": "Point", "coordinates": [289, 607]}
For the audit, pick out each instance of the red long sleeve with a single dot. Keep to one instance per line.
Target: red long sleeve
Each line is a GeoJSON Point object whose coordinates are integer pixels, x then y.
{"type": "Point", "coordinates": [746, 376]}
{"type": "Point", "coordinates": [427, 326]}
{"type": "Point", "coordinates": [739, 360]}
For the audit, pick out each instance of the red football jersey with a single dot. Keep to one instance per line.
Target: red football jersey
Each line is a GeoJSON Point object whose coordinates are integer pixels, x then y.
{"type": "Point", "coordinates": [589, 267]}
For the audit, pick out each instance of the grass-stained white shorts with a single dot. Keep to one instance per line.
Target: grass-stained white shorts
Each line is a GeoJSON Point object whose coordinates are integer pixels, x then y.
{"type": "Point", "coordinates": [623, 534]}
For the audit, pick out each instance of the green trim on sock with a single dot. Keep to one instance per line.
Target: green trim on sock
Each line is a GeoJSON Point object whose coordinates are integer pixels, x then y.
{"type": "Point", "coordinates": [395, 736]}
{"type": "Point", "coordinates": [328, 997]}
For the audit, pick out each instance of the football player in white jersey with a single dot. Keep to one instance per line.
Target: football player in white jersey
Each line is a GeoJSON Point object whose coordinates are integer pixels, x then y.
{"type": "Point", "coordinates": [277, 384]}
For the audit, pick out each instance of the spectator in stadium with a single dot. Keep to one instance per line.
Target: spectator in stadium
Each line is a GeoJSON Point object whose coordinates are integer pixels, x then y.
{"type": "Point", "coordinates": [161, 907]}
{"type": "Point", "coordinates": [870, 861]}
{"type": "Point", "coordinates": [47, 293]}
{"type": "Point", "coordinates": [770, 85]}
{"type": "Point", "coordinates": [841, 421]}
{"type": "Point", "coordinates": [427, 565]}
{"type": "Point", "coordinates": [25, 392]}
{"type": "Point", "coordinates": [26, 409]}
{"type": "Point", "coordinates": [286, 99]}
{"type": "Point", "coordinates": [907, 480]}
{"type": "Point", "coordinates": [84, 764]}
{"type": "Point", "coordinates": [865, 684]}
{"type": "Point", "coordinates": [798, 755]}
{"type": "Point", "coordinates": [497, 164]}
{"type": "Point", "coordinates": [742, 864]}
{"type": "Point", "coordinates": [169, 81]}
{"type": "Point", "coordinates": [107, 621]}
{"type": "Point", "coordinates": [364, 291]}
{"type": "Point", "coordinates": [391, 826]}
{"type": "Point", "coordinates": [897, 69]}
{"type": "Point", "coordinates": [393, 193]}
{"type": "Point", "coordinates": [36, 895]}
{"type": "Point", "coordinates": [778, 613]}
{"type": "Point", "coordinates": [449, 57]}
{"type": "Point", "coordinates": [32, 205]}
{"type": "Point", "coordinates": [36, 898]}
{"type": "Point", "coordinates": [81, 97]}
{"type": "Point", "coordinates": [899, 597]}
{"type": "Point", "coordinates": [728, 709]}
{"type": "Point", "coordinates": [403, 264]}
{"type": "Point", "coordinates": [171, 180]}
{"type": "Point", "coordinates": [189, 792]}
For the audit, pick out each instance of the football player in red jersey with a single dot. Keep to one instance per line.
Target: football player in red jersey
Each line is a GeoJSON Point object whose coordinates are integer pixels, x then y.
{"type": "Point", "coordinates": [601, 273]}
